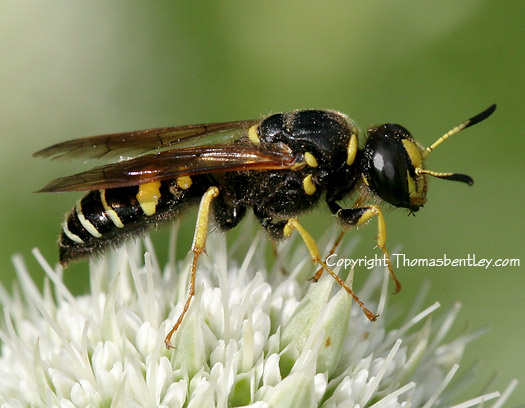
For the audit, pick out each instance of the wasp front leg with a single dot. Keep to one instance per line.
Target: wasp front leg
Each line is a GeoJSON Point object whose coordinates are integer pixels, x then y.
{"type": "Point", "coordinates": [360, 216]}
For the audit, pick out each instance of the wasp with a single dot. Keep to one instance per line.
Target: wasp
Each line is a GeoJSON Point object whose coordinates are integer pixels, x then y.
{"type": "Point", "coordinates": [279, 167]}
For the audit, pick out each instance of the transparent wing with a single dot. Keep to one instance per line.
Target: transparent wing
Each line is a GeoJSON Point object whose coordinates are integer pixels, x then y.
{"type": "Point", "coordinates": [140, 141]}
{"type": "Point", "coordinates": [179, 162]}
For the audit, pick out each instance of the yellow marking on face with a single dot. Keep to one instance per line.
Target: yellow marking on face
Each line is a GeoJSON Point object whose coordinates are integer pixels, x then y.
{"type": "Point", "coordinates": [184, 182]}
{"type": "Point", "coordinates": [253, 136]}
{"type": "Point", "coordinates": [70, 235]}
{"type": "Point", "coordinates": [113, 216]}
{"type": "Point", "coordinates": [365, 180]}
{"type": "Point", "coordinates": [310, 159]}
{"type": "Point", "coordinates": [148, 197]}
{"type": "Point", "coordinates": [351, 151]}
{"type": "Point", "coordinates": [417, 188]}
{"type": "Point", "coordinates": [308, 185]}
{"type": "Point", "coordinates": [88, 226]}
{"type": "Point", "coordinates": [411, 184]}
{"type": "Point", "coordinates": [414, 153]}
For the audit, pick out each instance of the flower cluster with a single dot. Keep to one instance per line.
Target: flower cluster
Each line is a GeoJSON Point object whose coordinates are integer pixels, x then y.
{"type": "Point", "coordinates": [252, 337]}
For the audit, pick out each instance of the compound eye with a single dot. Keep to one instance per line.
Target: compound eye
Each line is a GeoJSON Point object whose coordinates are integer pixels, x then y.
{"type": "Point", "coordinates": [386, 169]}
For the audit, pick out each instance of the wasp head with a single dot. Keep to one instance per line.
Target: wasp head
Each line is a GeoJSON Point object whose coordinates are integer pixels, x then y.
{"type": "Point", "coordinates": [393, 163]}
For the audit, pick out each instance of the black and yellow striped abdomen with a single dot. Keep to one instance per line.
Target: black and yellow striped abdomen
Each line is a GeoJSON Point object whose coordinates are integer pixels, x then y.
{"type": "Point", "coordinates": [105, 218]}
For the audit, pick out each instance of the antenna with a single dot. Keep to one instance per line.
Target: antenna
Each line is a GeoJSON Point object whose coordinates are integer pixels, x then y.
{"type": "Point", "coordinates": [454, 176]}
{"type": "Point", "coordinates": [472, 121]}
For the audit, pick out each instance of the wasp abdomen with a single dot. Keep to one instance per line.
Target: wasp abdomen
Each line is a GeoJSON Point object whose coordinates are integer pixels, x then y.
{"type": "Point", "coordinates": [105, 218]}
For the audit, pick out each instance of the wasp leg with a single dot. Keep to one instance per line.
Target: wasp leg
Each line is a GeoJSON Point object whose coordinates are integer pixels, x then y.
{"type": "Point", "coordinates": [283, 229]}
{"type": "Point", "coordinates": [319, 273]}
{"type": "Point", "coordinates": [293, 224]}
{"type": "Point", "coordinates": [275, 253]}
{"type": "Point", "coordinates": [359, 216]}
{"type": "Point", "coordinates": [274, 229]}
{"type": "Point", "coordinates": [199, 243]}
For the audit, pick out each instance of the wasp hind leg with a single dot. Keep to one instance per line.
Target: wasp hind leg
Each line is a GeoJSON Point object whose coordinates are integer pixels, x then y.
{"type": "Point", "coordinates": [198, 246]}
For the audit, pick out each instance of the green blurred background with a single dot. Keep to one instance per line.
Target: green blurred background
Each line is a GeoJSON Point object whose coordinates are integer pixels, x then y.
{"type": "Point", "coordinates": [71, 69]}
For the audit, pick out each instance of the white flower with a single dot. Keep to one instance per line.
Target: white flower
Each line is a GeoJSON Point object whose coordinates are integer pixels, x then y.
{"type": "Point", "coordinates": [252, 337]}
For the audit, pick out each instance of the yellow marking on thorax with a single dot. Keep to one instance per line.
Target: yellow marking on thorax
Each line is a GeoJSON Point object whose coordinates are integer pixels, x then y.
{"type": "Point", "coordinates": [298, 166]}
{"type": "Point", "coordinates": [253, 136]}
{"type": "Point", "coordinates": [184, 182]}
{"type": "Point", "coordinates": [351, 150]}
{"type": "Point", "coordinates": [308, 185]}
{"type": "Point", "coordinates": [148, 197]}
{"type": "Point", "coordinates": [310, 159]}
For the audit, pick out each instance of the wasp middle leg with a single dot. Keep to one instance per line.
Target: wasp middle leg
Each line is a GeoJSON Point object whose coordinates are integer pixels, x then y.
{"type": "Point", "coordinates": [283, 229]}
